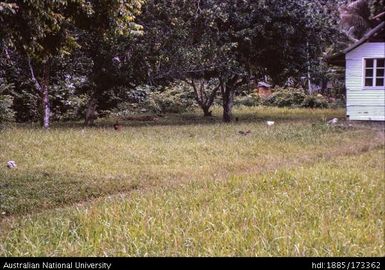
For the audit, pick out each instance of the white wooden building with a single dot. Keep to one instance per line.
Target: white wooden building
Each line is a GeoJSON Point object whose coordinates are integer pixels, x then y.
{"type": "Point", "coordinates": [365, 76]}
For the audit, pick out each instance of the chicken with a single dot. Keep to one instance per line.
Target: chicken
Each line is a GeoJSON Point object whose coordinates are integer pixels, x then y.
{"type": "Point", "coordinates": [117, 126]}
{"type": "Point", "coordinates": [244, 133]}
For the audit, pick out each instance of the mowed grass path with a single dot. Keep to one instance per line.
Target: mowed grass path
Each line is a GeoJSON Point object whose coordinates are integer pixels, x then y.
{"type": "Point", "coordinates": [333, 208]}
{"type": "Point", "coordinates": [195, 188]}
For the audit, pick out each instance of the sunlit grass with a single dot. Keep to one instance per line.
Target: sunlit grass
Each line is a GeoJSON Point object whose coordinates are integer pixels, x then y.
{"type": "Point", "coordinates": [184, 185]}
{"type": "Point", "coordinates": [334, 208]}
{"type": "Point", "coordinates": [68, 165]}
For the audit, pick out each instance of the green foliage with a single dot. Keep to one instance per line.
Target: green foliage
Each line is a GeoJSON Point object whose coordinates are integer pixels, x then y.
{"type": "Point", "coordinates": [68, 99]}
{"type": "Point", "coordinates": [250, 100]}
{"type": "Point", "coordinates": [174, 98]}
{"type": "Point", "coordinates": [376, 6]}
{"type": "Point", "coordinates": [69, 108]}
{"type": "Point", "coordinates": [7, 8]}
{"type": "Point", "coordinates": [41, 29]}
{"type": "Point", "coordinates": [7, 114]}
{"type": "Point", "coordinates": [27, 105]}
{"type": "Point", "coordinates": [286, 97]}
{"type": "Point", "coordinates": [356, 17]}
{"type": "Point", "coordinates": [336, 103]}
{"type": "Point", "coordinates": [226, 41]}
{"type": "Point", "coordinates": [294, 97]}
{"type": "Point", "coordinates": [132, 101]}
{"type": "Point", "coordinates": [46, 31]}
{"type": "Point", "coordinates": [105, 37]}
{"type": "Point", "coordinates": [315, 101]}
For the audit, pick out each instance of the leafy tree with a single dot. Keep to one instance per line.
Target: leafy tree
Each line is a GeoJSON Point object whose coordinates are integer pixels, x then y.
{"type": "Point", "coordinates": [6, 99]}
{"type": "Point", "coordinates": [40, 31]}
{"type": "Point", "coordinates": [235, 41]}
{"type": "Point", "coordinates": [105, 34]}
{"type": "Point", "coordinates": [47, 31]}
{"type": "Point", "coordinates": [356, 17]}
{"type": "Point", "coordinates": [93, 51]}
{"type": "Point", "coordinates": [177, 45]}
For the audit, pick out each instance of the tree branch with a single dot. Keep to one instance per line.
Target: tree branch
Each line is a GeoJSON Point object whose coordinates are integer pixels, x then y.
{"type": "Point", "coordinates": [34, 80]}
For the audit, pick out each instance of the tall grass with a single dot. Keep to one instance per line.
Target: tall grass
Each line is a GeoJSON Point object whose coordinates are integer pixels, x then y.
{"type": "Point", "coordinates": [190, 186]}
{"type": "Point", "coordinates": [69, 165]}
{"type": "Point", "coordinates": [334, 208]}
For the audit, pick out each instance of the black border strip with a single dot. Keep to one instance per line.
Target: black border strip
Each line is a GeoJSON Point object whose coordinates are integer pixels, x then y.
{"type": "Point", "coordinates": [116, 263]}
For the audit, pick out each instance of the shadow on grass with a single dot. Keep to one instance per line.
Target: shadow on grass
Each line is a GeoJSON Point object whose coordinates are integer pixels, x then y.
{"type": "Point", "coordinates": [26, 193]}
{"type": "Point", "coordinates": [251, 116]}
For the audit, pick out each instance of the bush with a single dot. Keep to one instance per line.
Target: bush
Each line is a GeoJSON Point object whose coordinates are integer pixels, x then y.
{"type": "Point", "coordinates": [27, 102]}
{"type": "Point", "coordinates": [74, 108]}
{"type": "Point", "coordinates": [176, 98]}
{"type": "Point", "coordinates": [7, 114]}
{"type": "Point", "coordinates": [286, 97]}
{"type": "Point", "coordinates": [336, 103]}
{"type": "Point", "coordinates": [315, 101]}
{"type": "Point", "coordinates": [248, 101]}
{"type": "Point", "coordinates": [293, 97]}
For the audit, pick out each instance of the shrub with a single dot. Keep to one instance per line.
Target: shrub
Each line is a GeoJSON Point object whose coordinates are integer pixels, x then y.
{"type": "Point", "coordinates": [176, 98]}
{"type": "Point", "coordinates": [315, 101]}
{"type": "Point", "coordinates": [27, 105]}
{"type": "Point", "coordinates": [248, 100]}
{"type": "Point", "coordinates": [7, 114]}
{"type": "Point", "coordinates": [139, 94]}
{"type": "Point", "coordinates": [286, 97]}
{"type": "Point", "coordinates": [336, 103]}
{"type": "Point", "coordinates": [74, 107]}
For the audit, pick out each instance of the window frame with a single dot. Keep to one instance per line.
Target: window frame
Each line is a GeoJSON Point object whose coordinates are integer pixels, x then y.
{"type": "Point", "coordinates": [374, 78]}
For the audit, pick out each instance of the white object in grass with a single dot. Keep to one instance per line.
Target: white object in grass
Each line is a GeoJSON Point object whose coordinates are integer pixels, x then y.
{"type": "Point", "coordinates": [270, 123]}
{"type": "Point", "coordinates": [11, 164]}
{"type": "Point", "coordinates": [333, 121]}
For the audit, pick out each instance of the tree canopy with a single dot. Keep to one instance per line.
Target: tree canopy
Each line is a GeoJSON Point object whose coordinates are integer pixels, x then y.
{"type": "Point", "coordinates": [92, 49]}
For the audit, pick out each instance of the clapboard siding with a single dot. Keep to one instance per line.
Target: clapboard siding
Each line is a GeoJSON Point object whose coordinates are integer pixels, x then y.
{"type": "Point", "coordinates": [354, 75]}
{"type": "Point", "coordinates": [363, 104]}
{"type": "Point", "coordinates": [373, 97]}
{"type": "Point", "coordinates": [372, 113]}
{"type": "Point", "coordinates": [369, 49]}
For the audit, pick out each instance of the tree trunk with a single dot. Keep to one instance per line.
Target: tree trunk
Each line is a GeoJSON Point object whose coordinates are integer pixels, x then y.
{"type": "Point", "coordinates": [47, 107]}
{"type": "Point", "coordinates": [228, 101]}
{"type": "Point", "coordinates": [309, 84]}
{"type": "Point", "coordinates": [203, 97]}
{"type": "Point", "coordinates": [90, 116]}
{"type": "Point", "coordinates": [45, 93]}
{"type": "Point", "coordinates": [324, 86]}
{"type": "Point", "coordinates": [43, 89]}
{"type": "Point", "coordinates": [206, 111]}
{"type": "Point", "coordinates": [228, 107]}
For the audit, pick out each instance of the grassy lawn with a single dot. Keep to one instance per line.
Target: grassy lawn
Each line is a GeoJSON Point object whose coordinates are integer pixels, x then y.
{"type": "Point", "coordinates": [184, 185]}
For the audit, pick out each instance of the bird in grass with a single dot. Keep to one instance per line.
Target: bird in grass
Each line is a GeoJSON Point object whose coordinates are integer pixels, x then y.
{"type": "Point", "coordinates": [244, 133]}
{"type": "Point", "coordinates": [117, 126]}
{"type": "Point", "coordinates": [270, 123]}
{"type": "Point", "coordinates": [333, 121]}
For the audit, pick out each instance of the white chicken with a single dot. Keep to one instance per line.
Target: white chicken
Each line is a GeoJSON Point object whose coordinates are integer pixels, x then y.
{"type": "Point", "coordinates": [333, 121]}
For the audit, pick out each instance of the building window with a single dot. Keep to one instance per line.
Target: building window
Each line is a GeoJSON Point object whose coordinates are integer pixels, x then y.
{"type": "Point", "coordinates": [375, 72]}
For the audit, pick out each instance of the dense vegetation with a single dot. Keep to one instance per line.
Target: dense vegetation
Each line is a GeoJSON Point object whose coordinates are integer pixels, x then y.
{"type": "Point", "coordinates": [82, 59]}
